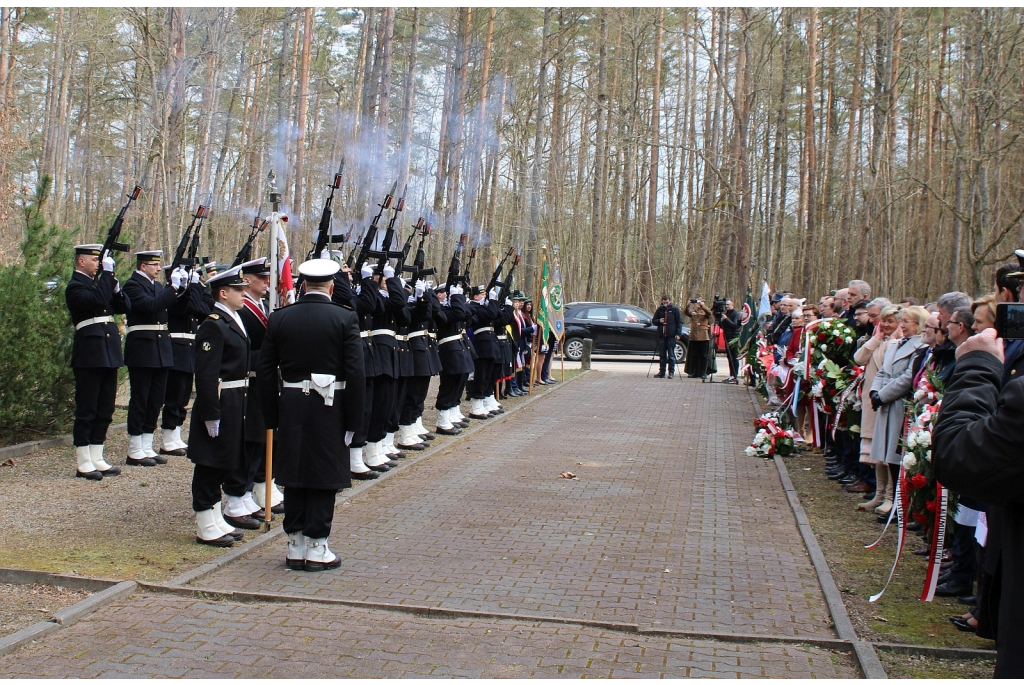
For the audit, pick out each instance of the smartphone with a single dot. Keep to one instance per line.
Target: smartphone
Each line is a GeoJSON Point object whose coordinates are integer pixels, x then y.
{"type": "Point", "coordinates": [1010, 320]}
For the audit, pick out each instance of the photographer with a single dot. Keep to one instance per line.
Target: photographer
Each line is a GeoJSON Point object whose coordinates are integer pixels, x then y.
{"type": "Point", "coordinates": [732, 323]}
{"type": "Point", "coordinates": [670, 330]}
{"type": "Point", "coordinates": [700, 339]}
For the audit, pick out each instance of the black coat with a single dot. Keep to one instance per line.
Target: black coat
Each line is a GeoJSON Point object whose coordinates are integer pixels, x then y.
{"type": "Point", "coordinates": [731, 323]}
{"type": "Point", "coordinates": [669, 319]}
{"type": "Point", "coordinates": [183, 318]}
{"type": "Point", "coordinates": [255, 428]}
{"type": "Point", "coordinates": [150, 300]}
{"type": "Point", "coordinates": [314, 335]}
{"type": "Point", "coordinates": [423, 336]}
{"type": "Point", "coordinates": [456, 355]}
{"type": "Point", "coordinates": [367, 304]}
{"type": "Point", "coordinates": [976, 451]}
{"type": "Point", "coordinates": [98, 345]}
{"type": "Point", "coordinates": [222, 355]}
{"type": "Point", "coordinates": [485, 314]}
{"type": "Point", "coordinates": [391, 318]}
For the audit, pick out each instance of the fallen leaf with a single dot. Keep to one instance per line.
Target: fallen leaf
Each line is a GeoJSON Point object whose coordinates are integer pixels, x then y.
{"type": "Point", "coordinates": [567, 474]}
{"type": "Point", "coordinates": [9, 462]}
{"type": "Point", "coordinates": [579, 463]}
{"type": "Point", "coordinates": [880, 618]}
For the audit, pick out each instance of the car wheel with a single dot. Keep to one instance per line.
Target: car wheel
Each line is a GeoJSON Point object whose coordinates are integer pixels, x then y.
{"type": "Point", "coordinates": [574, 349]}
{"type": "Point", "coordinates": [681, 351]}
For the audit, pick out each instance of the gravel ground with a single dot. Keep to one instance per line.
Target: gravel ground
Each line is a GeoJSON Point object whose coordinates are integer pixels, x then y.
{"type": "Point", "coordinates": [23, 605]}
{"type": "Point", "coordinates": [138, 525]}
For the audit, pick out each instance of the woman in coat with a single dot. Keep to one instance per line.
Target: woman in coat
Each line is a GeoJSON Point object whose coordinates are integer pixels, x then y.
{"type": "Point", "coordinates": [893, 382]}
{"type": "Point", "coordinates": [871, 355]}
{"type": "Point", "coordinates": [700, 340]}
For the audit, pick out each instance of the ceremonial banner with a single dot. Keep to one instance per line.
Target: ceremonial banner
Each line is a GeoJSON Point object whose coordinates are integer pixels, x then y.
{"type": "Point", "coordinates": [749, 322]}
{"type": "Point", "coordinates": [544, 313]}
{"type": "Point", "coordinates": [764, 307]}
{"type": "Point", "coordinates": [553, 295]}
{"type": "Point", "coordinates": [282, 261]}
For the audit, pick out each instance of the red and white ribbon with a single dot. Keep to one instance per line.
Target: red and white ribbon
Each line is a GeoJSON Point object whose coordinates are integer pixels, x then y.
{"type": "Point", "coordinates": [898, 509]}
{"type": "Point", "coordinates": [931, 580]}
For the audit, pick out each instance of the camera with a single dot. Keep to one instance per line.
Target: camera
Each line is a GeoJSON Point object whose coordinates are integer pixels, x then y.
{"type": "Point", "coordinates": [1010, 320]}
{"type": "Point", "coordinates": [718, 306]}
{"type": "Point", "coordinates": [694, 301]}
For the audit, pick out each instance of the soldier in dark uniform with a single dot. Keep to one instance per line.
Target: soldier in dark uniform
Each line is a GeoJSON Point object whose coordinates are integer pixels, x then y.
{"type": "Point", "coordinates": [485, 315]}
{"type": "Point", "coordinates": [405, 369]}
{"type": "Point", "coordinates": [183, 319]}
{"type": "Point", "coordinates": [455, 355]}
{"type": "Point", "coordinates": [148, 352]}
{"type": "Point", "coordinates": [216, 434]}
{"type": "Point", "coordinates": [426, 363]}
{"type": "Point", "coordinates": [385, 387]}
{"type": "Point", "coordinates": [316, 346]}
{"type": "Point", "coordinates": [95, 357]}
{"type": "Point", "coordinates": [241, 510]}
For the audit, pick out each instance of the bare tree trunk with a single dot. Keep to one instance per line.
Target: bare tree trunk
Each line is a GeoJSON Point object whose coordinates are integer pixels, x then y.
{"type": "Point", "coordinates": [647, 296]}
{"type": "Point", "coordinates": [405, 150]}
{"type": "Point", "coordinates": [300, 120]}
{"type": "Point", "coordinates": [384, 106]}
{"type": "Point", "coordinates": [597, 204]}
{"type": "Point", "coordinates": [538, 143]}
{"type": "Point", "coordinates": [810, 253]}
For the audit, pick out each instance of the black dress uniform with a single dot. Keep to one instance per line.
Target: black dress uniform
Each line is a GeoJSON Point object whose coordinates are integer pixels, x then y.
{"type": "Point", "coordinates": [422, 338]}
{"type": "Point", "coordinates": [149, 354]}
{"type": "Point", "coordinates": [316, 346]}
{"type": "Point", "coordinates": [222, 371]}
{"type": "Point", "coordinates": [456, 358]}
{"type": "Point", "coordinates": [485, 316]}
{"type": "Point", "coordinates": [382, 334]}
{"type": "Point", "coordinates": [183, 319]}
{"type": "Point", "coordinates": [95, 358]}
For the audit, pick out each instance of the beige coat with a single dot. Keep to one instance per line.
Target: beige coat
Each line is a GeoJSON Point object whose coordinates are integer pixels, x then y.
{"type": "Point", "coordinates": [870, 356]}
{"type": "Point", "coordinates": [700, 322]}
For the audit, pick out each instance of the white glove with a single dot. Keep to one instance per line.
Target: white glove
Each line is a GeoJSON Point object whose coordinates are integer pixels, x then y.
{"type": "Point", "coordinates": [411, 299]}
{"type": "Point", "coordinates": [117, 286]}
{"type": "Point", "coordinates": [366, 271]}
{"type": "Point", "coordinates": [108, 264]}
{"type": "Point", "coordinates": [419, 288]}
{"type": "Point", "coordinates": [177, 276]}
{"type": "Point", "coordinates": [359, 288]}
{"type": "Point", "coordinates": [348, 437]}
{"type": "Point", "coordinates": [404, 282]}
{"type": "Point", "coordinates": [430, 284]}
{"type": "Point", "coordinates": [213, 428]}
{"type": "Point", "coordinates": [195, 276]}
{"type": "Point", "coordinates": [455, 290]}
{"type": "Point", "coordinates": [389, 271]}
{"type": "Point", "coordinates": [493, 295]}
{"type": "Point", "coordinates": [508, 301]}
{"type": "Point", "coordinates": [325, 253]}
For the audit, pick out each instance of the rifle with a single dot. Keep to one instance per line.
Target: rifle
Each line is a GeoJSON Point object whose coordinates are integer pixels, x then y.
{"type": "Point", "coordinates": [497, 271]}
{"type": "Point", "coordinates": [245, 254]}
{"type": "Point", "coordinates": [505, 287]}
{"type": "Point", "coordinates": [183, 244]}
{"type": "Point", "coordinates": [371, 231]}
{"type": "Point", "coordinates": [193, 249]}
{"type": "Point", "coordinates": [385, 253]}
{"type": "Point", "coordinates": [454, 266]}
{"type": "Point", "coordinates": [352, 253]}
{"type": "Point", "coordinates": [416, 271]}
{"type": "Point", "coordinates": [469, 265]}
{"type": "Point", "coordinates": [111, 243]}
{"type": "Point", "coordinates": [400, 266]}
{"type": "Point", "coordinates": [324, 237]}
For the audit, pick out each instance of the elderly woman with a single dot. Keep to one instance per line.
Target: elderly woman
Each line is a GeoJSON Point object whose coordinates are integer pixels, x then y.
{"type": "Point", "coordinates": [891, 384]}
{"type": "Point", "coordinates": [870, 355]}
{"type": "Point", "coordinates": [984, 310]}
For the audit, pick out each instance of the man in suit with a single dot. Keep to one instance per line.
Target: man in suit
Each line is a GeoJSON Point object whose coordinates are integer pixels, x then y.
{"type": "Point", "coordinates": [216, 435]}
{"type": "Point", "coordinates": [148, 352]}
{"type": "Point", "coordinates": [670, 330]}
{"type": "Point", "coordinates": [315, 345]}
{"type": "Point", "coordinates": [95, 356]}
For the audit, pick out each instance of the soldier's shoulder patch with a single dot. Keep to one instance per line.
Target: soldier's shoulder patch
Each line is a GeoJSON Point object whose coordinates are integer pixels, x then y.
{"type": "Point", "coordinates": [213, 316]}
{"type": "Point", "coordinates": [207, 346]}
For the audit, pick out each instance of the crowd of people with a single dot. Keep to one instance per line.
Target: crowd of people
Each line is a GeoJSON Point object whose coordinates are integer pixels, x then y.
{"type": "Point", "coordinates": [338, 390]}
{"type": "Point", "coordinates": [887, 406]}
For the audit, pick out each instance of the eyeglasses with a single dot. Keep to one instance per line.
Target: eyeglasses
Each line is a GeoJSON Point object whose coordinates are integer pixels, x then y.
{"type": "Point", "coordinates": [933, 328]}
{"type": "Point", "coordinates": [955, 322]}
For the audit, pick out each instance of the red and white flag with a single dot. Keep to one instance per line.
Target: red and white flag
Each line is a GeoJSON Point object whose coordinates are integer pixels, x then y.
{"type": "Point", "coordinates": [282, 276]}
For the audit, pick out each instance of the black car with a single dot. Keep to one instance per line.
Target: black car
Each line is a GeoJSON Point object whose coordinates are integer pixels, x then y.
{"type": "Point", "coordinates": [615, 329]}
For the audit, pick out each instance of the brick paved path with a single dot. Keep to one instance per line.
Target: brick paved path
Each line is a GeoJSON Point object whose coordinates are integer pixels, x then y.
{"type": "Point", "coordinates": [668, 527]}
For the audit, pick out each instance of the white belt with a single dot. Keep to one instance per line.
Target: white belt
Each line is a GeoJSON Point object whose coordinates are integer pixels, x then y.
{"type": "Point", "coordinates": [483, 330]}
{"type": "Point", "coordinates": [97, 319]}
{"type": "Point", "coordinates": [433, 335]}
{"type": "Point", "coordinates": [416, 334]}
{"type": "Point", "coordinates": [501, 337]}
{"type": "Point", "coordinates": [403, 338]}
{"type": "Point", "coordinates": [450, 338]}
{"type": "Point", "coordinates": [147, 327]}
{"type": "Point", "coordinates": [364, 334]}
{"type": "Point", "coordinates": [382, 331]}
{"type": "Point", "coordinates": [184, 336]}
{"type": "Point", "coordinates": [252, 374]}
{"type": "Point", "coordinates": [228, 385]}
{"type": "Point", "coordinates": [323, 383]}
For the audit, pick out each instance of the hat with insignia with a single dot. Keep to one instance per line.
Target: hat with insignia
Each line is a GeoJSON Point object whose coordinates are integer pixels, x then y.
{"type": "Point", "coordinates": [477, 290]}
{"type": "Point", "coordinates": [89, 249]}
{"type": "Point", "coordinates": [227, 279]}
{"type": "Point", "coordinates": [518, 295]}
{"type": "Point", "coordinates": [1020, 260]}
{"type": "Point", "coordinates": [319, 270]}
{"type": "Point", "coordinates": [441, 288]}
{"type": "Point", "coordinates": [148, 256]}
{"type": "Point", "coordinates": [256, 267]}
{"type": "Point", "coordinates": [777, 297]}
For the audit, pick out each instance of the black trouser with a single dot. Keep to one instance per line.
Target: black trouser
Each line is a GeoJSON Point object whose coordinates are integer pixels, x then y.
{"type": "Point", "coordinates": [206, 482]}
{"type": "Point", "coordinates": [482, 384]}
{"type": "Point", "coordinates": [359, 439]}
{"type": "Point", "coordinates": [148, 387]}
{"type": "Point", "coordinates": [732, 350]}
{"type": "Point", "coordinates": [308, 511]}
{"type": "Point", "coordinates": [415, 394]}
{"type": "Point", "coordinates": [380, 413]}
{"type": "Point", "coordinates": [95, 392]}
{"type": "Point", "coordinates": [666, 355]}
{"type": "Point", "coordinates": [176, 397]}
{"type": "Point", "coordinates": [449, 390]}
{"type": "Point", "coordinates": [398, 401]}
{"type": "Point", "coordinates": [239, 481]}
{"type": "Point", "coordinates": [965, 557]}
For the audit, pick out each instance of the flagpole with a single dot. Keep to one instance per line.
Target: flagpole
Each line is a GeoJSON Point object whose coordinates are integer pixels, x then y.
{"type": "Point", "coordinates": [537, 336]}
{"type": "Point", "coordinates": [268, 477]}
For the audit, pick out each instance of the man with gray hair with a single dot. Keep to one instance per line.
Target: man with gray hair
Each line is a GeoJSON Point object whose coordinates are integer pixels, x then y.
{"type": "Point", "coordinates": [949, 303]}
{"type": "Point", "coordinates": [858, 291]}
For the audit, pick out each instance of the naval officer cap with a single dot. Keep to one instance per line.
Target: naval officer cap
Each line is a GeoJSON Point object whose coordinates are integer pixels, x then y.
{"type": "Point", "coordinates": [231, 278]}
{"type": "Point", "coordinates": [319, 270]}
{"type": "Point", "coordinates": [1020, 260]}
{"type": "Point", "coordinates": [256, 267]}
{"type": "Point", "coordinates": [477, 290]}
{"type": "Point", "coordinates": [93, 249]}
{"type": "Point", "coordinates": [148, 256]}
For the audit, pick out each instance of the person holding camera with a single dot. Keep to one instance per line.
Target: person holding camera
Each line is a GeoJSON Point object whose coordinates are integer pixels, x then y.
{"type": "Point", "coordinates": [670, 330]}
{"type": "Point", "coordinates": [732, 323]}
{"type": "Point", "coordinates": [700, 339]}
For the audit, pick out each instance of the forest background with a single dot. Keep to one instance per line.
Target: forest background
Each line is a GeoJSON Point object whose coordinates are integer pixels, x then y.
{"type": "Point", "coordinates": [682, 150]}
